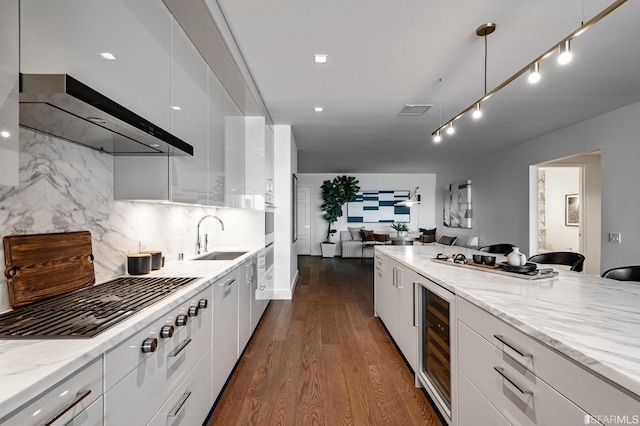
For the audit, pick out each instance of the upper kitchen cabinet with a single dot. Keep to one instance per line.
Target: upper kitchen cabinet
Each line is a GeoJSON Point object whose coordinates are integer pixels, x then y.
{"type": "Point", "coordinates": [76, 37]}
{"type": "Point", "coordinates": [269, 168]}
{"type": "Point", "coordinates": [189, 103]}
{"type": "Point", "coordinates": [234, 141]}
{"type": "Point", "coordinates": [9, 45]}
{"type": "Point", "coordinates": [216, 147]}
{"type": "Point", "coordinates": [254, 163]}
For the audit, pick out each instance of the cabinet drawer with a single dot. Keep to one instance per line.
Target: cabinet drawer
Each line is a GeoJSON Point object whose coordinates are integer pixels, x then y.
{"type": "Point", "coordinates": [584, 388]}
{"type": "Point", "coordinates": [73, 394]}
{"type": "Point", "coordinates": [92, 416]}
{"type": "Point", "coordinates": [192, 400]}
{"type": "Point", "coordinates": [475, 409]}
{"type": "Point", "coordinates": [519, 395]}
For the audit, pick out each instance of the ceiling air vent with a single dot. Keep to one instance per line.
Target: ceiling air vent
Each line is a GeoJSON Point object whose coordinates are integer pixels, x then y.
{"type": "Point", "coordinates": [415, 109]}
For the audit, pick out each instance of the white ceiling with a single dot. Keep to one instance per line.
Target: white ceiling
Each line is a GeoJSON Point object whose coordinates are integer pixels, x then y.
{"type": "Point", "coordinates": [385, 54]}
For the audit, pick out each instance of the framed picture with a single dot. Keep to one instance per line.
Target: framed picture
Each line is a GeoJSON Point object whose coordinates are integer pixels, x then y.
{"type": "Point", "coordinates": [572, 210]}
{"type": "Point", "coordinates": [294, 207]}
{"type": "Point", "coordinates": [456, 205]}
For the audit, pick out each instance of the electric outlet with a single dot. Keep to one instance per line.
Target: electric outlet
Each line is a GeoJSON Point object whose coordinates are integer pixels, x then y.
{"type": "Point", "coordinates": [143, 245]}
{"type": "Point", "coordinates": [615, 237]}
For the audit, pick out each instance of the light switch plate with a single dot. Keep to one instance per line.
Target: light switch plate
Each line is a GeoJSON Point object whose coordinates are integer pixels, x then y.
{"type": "Point", "coordinates": [615, 237]}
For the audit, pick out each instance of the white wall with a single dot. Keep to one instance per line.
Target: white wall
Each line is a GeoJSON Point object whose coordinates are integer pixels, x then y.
{"type": "Point", "coordinates": [422, 216]}
{"type": "Point", "coordinates": [501, 182]}
{"type": "Point", "coordinates": [560, 181]}
{"type": "Point", "coordinates": [286, 255]}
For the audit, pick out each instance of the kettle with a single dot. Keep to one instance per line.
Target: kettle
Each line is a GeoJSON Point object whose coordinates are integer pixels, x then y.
{"type": "Point", "coordinates": [515, 258]}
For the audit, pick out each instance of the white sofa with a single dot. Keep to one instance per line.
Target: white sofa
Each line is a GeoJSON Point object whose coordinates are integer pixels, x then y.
{"type": "Point", "coordinates": [357, 248]}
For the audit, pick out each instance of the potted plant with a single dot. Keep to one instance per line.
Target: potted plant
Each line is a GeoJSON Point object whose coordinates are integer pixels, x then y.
{"type": "Point", "coordinates": [401, 228]}
{"type": "Point", "coordinates": [335, 193]}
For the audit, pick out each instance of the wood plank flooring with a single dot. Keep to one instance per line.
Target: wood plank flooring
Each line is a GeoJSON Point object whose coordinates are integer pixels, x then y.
{"type": "Point", "coordinates": [323, 359]}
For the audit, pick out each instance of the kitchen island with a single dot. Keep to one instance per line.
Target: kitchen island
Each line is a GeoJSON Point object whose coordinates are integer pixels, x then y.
{"type": "Point", "coordinates": [588, 325]}
{"type": "Point", "coordinates": [29, 368]}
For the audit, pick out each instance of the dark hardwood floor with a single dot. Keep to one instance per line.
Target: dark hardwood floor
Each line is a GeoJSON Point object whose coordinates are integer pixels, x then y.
{"type": "Point", "coordinates": [323, 359]}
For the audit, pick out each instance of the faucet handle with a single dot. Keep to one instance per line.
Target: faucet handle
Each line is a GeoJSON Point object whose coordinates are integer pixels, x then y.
{"type": "Point", "coordinates": [206, 240]}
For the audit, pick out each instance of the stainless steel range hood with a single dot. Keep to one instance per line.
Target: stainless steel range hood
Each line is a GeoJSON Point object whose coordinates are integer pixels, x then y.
{"type": "Point", "coordinates": [61, 106]}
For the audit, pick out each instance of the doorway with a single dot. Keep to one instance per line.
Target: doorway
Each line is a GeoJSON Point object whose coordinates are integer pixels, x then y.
{"type": "Point", "coordinates": [567, 208]}
{"type": "Point", "coordinates": [303, 243]}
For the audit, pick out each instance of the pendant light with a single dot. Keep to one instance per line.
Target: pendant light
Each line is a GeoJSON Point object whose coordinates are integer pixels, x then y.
{"type": "Point", "coordinates": [534, 73]}
{"type": "Point", "coordinates": [477, 112]}
{"type": "Point", "coordinates": [437, 138]}
{"type": "Point", "coordinates": [450, 129]}
{"type": "Point", "coordinates": [565, 53]}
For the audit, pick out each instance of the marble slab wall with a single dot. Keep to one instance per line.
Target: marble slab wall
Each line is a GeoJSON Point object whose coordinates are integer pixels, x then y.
{"type": "Point", "coordinates": [67, 187]}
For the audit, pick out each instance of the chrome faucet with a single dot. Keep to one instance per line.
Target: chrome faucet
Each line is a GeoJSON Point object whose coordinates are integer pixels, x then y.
{"type": "Point", "coordinates": [205, 236]}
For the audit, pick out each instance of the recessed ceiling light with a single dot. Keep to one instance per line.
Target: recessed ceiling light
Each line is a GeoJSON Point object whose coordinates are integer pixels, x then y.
{"type": "Point", "coordinates": [319, 58]}
{"type": "Point", "coordinates": [97, 120]}
{"type": "Point", "coordinates": [108, 55]}
{"type": "Point", "coordinates": [318, 109]}
{"type": "Point", "coordinates": [154, 145]}
{"type": "Point", "coordinates": [176, 108]}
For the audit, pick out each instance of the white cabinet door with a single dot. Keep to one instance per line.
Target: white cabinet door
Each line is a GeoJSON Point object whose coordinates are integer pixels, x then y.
{"type": "Point", "coordinates": [225, 329]}
{"type": "Point", "coordinates": [189, 101]}
{"type": "Point", "coordinates": [391, 297]}
{"type": "Point", "coordinates": [216, 175]}
{"type": "Point", "coordinates": [68, 36]}
{"type": "Point", "coordinates": [254, 163]}
{"type": "Point", "coordinates": [268, 162]}
{"type": "Point", "coordinates": [245, 274]}
{"type": "Point", "coordinates": [234, 154]}
{"type": "Point", "coordinates": [9, 44]}
{"type": "Point", "coordinates": [475, 409]}
{"type": "Point", "coordinates": [407, 334]}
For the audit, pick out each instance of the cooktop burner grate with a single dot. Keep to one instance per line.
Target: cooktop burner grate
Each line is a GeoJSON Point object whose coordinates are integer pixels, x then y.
{"type": "Point", "coordinates": [88, 311]}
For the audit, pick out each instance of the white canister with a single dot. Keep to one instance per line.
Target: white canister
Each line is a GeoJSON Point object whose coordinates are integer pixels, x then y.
{"type": "Point", "coordinates": [515, 258]}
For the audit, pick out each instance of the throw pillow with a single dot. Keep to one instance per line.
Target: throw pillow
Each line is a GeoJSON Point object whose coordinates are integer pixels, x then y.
{"type": "Point", "coordinates": [367, 235]}
{"type": "Point", "coordinates": [425, 238]}
{"type": "Point", "coordinates": [356, 233]}
{"type": "Point", "coordinates": [447, 241]}
{"type": "Point", "coordinates": [381, 238]}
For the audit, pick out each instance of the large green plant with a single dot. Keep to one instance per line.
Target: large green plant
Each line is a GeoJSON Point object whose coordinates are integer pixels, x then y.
{"type": "Point", "coordinates": [335, 193]}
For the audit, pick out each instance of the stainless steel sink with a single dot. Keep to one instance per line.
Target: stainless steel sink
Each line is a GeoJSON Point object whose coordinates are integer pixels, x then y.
{"type": "Point", "coordinates": [221, 255]}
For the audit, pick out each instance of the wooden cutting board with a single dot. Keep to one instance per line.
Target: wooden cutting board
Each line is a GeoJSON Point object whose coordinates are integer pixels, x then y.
{"type": "Point", "coordinates": [43, 265]}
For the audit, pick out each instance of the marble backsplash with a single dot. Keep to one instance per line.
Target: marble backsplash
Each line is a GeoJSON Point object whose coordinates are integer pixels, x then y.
{"type": "Point", "coordinates": [66, 187]}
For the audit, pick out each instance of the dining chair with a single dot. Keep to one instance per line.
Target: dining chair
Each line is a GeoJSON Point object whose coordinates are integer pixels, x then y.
{"type": "Point", "coordinates": [567, 258]}
{"type": "Point", "coordinates": [623, 273]}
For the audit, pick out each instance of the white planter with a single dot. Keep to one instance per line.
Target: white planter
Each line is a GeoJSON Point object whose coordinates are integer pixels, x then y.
{"type": "Point", "coordinates": [403, 233]}
{"type": "Point", "coordinates": [328, 249]}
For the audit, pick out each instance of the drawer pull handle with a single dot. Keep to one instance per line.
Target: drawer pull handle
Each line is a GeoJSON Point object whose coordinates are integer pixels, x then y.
{"type": "Point", "coordinates": [501, 372]}
{"type": "Point", "coordinates": [180, 348]}
{"type": "Point", "coordinates": [176, 410]}
{"type": "Point", "coordinates": [79, 397]}
{"type": "Point", "coordinates": [512, 346]}
{"type": "Point", "coordinates": [231, 281]}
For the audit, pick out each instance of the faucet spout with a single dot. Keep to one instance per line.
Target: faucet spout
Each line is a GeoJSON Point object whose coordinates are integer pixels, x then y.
{"type": "Point", "coordinates": [198, 231]}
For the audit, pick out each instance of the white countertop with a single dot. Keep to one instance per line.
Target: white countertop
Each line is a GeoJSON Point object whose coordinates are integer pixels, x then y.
{"type": "Point", "coordinates": [28, 367]}
{"type": "Point", "coordinates": [592, 320]}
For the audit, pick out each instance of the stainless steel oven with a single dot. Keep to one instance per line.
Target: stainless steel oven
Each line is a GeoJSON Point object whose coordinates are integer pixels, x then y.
{"type": "Point", "coordinates": [269, 227]}
{"type": "Point", "coordinates": [437, 369]}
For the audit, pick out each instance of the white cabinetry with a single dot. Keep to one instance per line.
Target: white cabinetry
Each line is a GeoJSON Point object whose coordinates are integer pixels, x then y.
{"type": "Point", "coordinates": [234, 141]}
{"type": "Point", "coordinates": [254, 163]}
{"type": "Point", "coordinates": [68, 36]}
{"type": "Point", "coordinates": [526, 381]}
{"type": "Point", "coordinates": [189, 102]}
{"type": "Point", "coordinates": [394, 303]}
{"type": "Point", "coordinates": [225, 329]}
{"type": "Point", "coordinates": [71, 399]}
{"type": "Point", "coordinates": [269, 164]}
{"type": "Point", "coordinates": [9, 45]}
{"type": "Point", "coordinates": [245, 274]}
{"type": "Point", "coordinates": [153, 376]}
{"type": "Point", "coordinates": [216, 175]}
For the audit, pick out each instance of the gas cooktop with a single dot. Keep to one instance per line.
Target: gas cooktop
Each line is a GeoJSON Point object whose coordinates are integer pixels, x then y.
{"type": "Point", "coordinates": [89, 311]}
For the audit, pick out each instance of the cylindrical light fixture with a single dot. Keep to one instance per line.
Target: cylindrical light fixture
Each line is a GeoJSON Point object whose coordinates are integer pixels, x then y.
{"type": "Point", "coordinates": [534, 73]}
{"type": "Point", "coordinates": [450, 129]}
{"type": "Point", "coordinates": [477, 113]}
{"type": "Point", "coordinates": [437, 138]}
{"type": "Point", "coordinates": [565, 53]}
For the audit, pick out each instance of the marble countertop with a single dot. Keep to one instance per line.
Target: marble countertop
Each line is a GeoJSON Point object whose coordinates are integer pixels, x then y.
{"type": "Point", "coordinates": [592, 320]}
{"type": "Point", "coordinates": [28, 367]}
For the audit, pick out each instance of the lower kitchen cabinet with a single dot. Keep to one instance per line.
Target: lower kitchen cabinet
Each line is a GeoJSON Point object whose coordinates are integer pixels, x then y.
{"type": "Point", "coordinates": [246, 276]}
{"type": "Point", "coordinates": [476, 406]}
{"type": "Point", "coordinates": [140, 378]}
{"type": "Point", "coordinates": [69, 400]}
{"type": "Point", "coordinates": [259, 305]}
{"type": "Point", "coordinates": [225, 329]}
{"type": "Point", "coordinates": [190, 403]}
